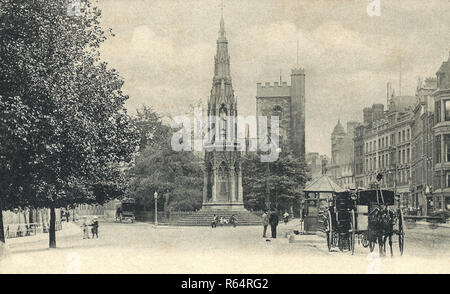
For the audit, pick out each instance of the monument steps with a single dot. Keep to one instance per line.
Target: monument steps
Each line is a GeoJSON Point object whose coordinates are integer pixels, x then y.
{"type": "Point", "coordinates": [205, 217]}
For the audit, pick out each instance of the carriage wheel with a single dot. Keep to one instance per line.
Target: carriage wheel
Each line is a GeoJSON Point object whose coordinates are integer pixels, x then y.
{"type": "Point", "coordinates": [353, 232]}
{"type": "Point", "coordinates": [364, 240]}
{"type": "Point", "coordinates": [401, 234]}
{"type": "Point", "coordinates": [330, 231]}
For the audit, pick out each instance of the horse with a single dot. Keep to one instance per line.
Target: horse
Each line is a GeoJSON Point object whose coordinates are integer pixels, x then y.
{"type": "Point", "coordinates": [381, 228]}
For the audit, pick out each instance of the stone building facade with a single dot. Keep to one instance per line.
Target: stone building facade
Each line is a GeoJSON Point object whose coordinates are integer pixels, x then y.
{"type": "Point", "coordinates": [422, 147]}
{"type": "Point", "coordinates": [441, 129]}
{"type": "Point", "coordinates": [315, 163]}
{"type": "Point", "coordinates": [358, 154]}
{"type": "Point", "coordinates": [288, 103]}
{"type": "Point", "coordinates": [341, 167]}
{"type": "Point", "coordinates": [386, 137]}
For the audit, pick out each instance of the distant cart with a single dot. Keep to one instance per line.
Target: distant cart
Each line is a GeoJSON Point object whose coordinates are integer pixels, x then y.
{"type": "Point", "coordinates": [126, 210]}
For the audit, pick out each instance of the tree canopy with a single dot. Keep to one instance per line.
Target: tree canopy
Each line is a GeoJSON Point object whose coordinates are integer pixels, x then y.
{"type": "Point", "coordinates": [77, 133]}
{"type": "Point", "coordinates": [176, 176]}
{"type": "Point", "coordinates": [284, 178]}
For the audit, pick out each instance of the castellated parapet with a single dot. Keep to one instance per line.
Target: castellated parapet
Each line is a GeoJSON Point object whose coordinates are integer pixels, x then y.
{"type": "Point", "coordinates": [275, 90]}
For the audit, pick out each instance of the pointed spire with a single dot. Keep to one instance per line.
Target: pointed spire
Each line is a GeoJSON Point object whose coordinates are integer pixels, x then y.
{"type": "Point", "coordinates": [222, 61]}
{"type": "Point", "coordinates": [222, 35]}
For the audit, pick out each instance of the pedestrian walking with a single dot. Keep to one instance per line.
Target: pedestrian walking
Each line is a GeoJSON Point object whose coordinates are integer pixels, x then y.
{"type": "Point", "coordinates": [94, 229]}
{"type": "Point", "coordinates": [85, 228]}
{"type": "Point", "coordinates": [265, 222]}
{"type": "Point", "coordinates": [273, 221]}
{"type": "Point", "coordinates": [214, 221]}
{"type": "Point", "coordinates": [67, 216]}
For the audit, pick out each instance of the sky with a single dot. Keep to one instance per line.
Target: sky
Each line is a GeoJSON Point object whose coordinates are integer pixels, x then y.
{"type": "Point", "coordinates": [165, 51]}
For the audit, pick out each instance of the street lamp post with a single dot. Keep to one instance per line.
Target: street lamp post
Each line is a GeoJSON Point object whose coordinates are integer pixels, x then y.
{"type": "Point", "coordinates": [156, 207]}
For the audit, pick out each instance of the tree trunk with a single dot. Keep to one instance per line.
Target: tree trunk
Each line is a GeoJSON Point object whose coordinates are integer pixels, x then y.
{"type": "Point", "coordinates": [52, 230]}
{"type": "Point", "coordinates": [2, 232]}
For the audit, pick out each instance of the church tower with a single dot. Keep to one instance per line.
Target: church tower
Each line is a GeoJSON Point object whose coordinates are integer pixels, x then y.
{"type": "Point", "coordinates": [222, 187]}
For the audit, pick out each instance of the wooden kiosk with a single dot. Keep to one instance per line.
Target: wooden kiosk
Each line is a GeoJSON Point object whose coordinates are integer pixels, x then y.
{"type": "Point", "coordinates": [317, 193]}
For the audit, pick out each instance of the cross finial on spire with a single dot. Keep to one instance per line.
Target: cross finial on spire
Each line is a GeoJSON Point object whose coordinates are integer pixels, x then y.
{"type": "Point", "coordinates": [221, 7]}
{"type": "Point", "coordinates": [222, 23]}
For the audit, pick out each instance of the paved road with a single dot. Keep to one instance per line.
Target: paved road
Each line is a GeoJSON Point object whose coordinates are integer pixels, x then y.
{"type": "Point", "coordinates": [142, 248]}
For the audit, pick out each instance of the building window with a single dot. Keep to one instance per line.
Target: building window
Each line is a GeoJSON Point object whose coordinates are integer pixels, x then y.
{"type": "Point", "coordinates": [382, 142]}
{"type": "Point", "coordinates": [447, 147]}
{"type": "Point", "coordinates": [399, 137]}
{"type": "Point", "coordinates": [399, 156]}
{"type": "Point", "coordinates": [379, 143]}
{"type": "Point", "coordinates": [437, 111]}
{"type": "Point", "coordinates": [407, 134]}
{"type": "Point", "coordinates": [407, 155]}
{"type": "Point", "coordinates": [438, 149]}
{"type": "Point", "coordinates": [447, 109]}
{"type": "Point", "coordinates": [437, 180]}
{"type": "Point", "coordinates": [403, 135]}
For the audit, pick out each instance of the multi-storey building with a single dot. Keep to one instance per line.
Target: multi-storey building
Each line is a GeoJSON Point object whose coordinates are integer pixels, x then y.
{"type": "Point", "coordinates": [358, 143]}
{"type": "Point", "coordinates": [421, 147]}
{"type": "Point", "coordinates": [441, 129]}
{"type": "Point", "coordinates": [387, 149]}
{"type": "Point", "coordinates": [367, 136]}
{"type": "Point", "coordinates": [341, 168]}
{"type": "Point", "coordinates": [315, 162]}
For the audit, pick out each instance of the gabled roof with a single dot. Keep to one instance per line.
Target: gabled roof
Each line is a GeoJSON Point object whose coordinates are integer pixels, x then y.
{"type": "Point", "coordinates": [322, 184]}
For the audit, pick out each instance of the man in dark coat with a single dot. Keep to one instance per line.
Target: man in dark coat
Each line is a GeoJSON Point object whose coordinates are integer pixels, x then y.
{"type": "Point", "coordinates": [94, 229]}
{"type": "Point", "coordinates": [273, 221]}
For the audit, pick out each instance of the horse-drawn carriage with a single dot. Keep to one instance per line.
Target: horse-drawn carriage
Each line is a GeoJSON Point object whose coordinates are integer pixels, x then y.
{"type": "Point", "coordinates": [126, 210]}
{"type": "Point", "coordinates": [368, 217]}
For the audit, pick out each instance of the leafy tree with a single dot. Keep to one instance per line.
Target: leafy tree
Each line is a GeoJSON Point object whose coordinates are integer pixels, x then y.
{"type": "Point", "coordinates": [176, 176]}
{"type": "Point", "coordinates": [283, 179]}
{"type": "Point", "coordinates": [150, 127]}
{"type": "Point", "coordinates": [15, 121]}
{"type": "Point", "coordinates": [79, 136]}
